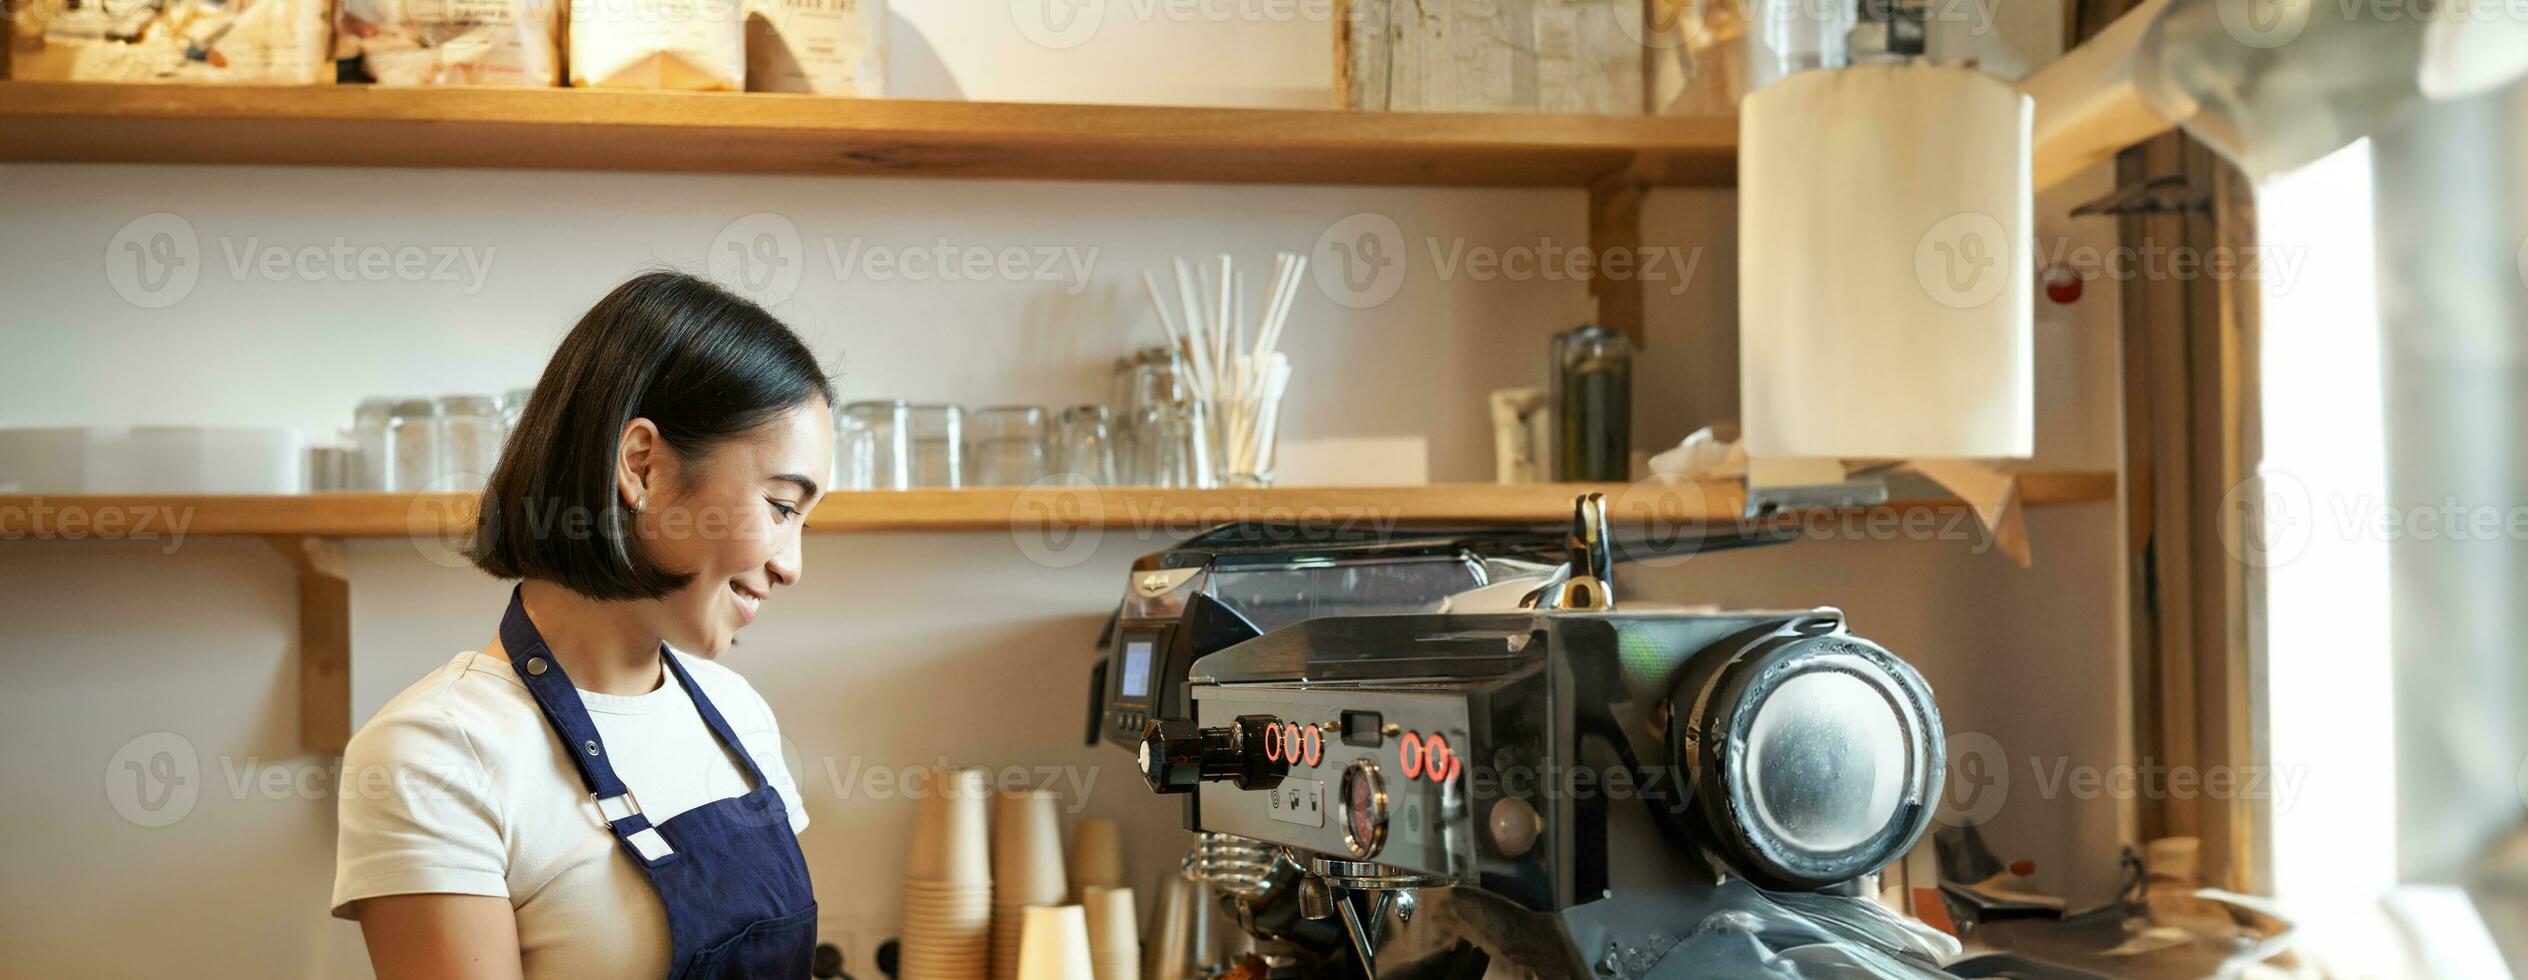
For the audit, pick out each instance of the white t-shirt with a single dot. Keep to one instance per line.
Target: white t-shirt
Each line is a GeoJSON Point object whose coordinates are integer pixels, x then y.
{"type": "Point", "coordinates": [459, 786]}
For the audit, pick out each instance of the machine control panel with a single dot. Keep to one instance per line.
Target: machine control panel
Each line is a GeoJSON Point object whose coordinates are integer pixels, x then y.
{"type": "Point", "coordinates": [1380, 768]}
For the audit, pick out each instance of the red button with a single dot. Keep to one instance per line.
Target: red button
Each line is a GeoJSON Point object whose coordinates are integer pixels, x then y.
{"type": "Point", "coordinates": [1273, 741]}
{"type": "Point", "coordinates": [1315, 745]}
{"type": "Point", "coordinates": [1409, 755]}
{"type": "Point", "coordinates": [1290, 742]}
{"type": "Point", "coordinates": [1441, 758]}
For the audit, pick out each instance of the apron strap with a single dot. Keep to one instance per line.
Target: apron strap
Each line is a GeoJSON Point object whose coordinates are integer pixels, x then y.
{"type": "Point", "coordinates": [542, 673]}
{"type": "Point", "coordinates": [719, 725]}
{"type": "Point", "coordinates": [551, 686]}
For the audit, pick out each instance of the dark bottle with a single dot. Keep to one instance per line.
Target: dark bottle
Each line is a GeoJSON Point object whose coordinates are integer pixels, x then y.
{"type": "Point", "coordinates": [1593, 405]}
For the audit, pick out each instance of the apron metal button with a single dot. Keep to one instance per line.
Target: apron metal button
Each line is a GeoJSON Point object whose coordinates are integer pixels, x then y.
{"type": "Point", "coordinates": [590, 745]}
{"type": "Point", "coordinates": [535, 665]}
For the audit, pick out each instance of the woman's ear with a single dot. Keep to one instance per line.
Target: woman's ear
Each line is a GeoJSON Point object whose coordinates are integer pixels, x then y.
{"type": "Point", "coordinates": [639, 463]}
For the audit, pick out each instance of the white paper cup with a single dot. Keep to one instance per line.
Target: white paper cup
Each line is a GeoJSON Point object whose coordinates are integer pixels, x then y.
{"type": "Point", "coordinates": [1054, 945]}
{"type": "Point", "coordinates": [1114, 940]}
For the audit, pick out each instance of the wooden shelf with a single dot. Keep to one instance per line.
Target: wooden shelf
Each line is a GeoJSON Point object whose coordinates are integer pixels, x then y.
{"type": "Point", "coordinates": [368, 515]}
{"type": "Point", "coordinates": [576, 129]}
{"type": "Point", "coordinates": [305, 530]}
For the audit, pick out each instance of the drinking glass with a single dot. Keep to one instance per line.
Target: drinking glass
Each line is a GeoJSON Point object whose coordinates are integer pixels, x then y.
{"type": "Point", "coordinates": [869, 446]}
{"type": "Point", "coordinates": [1145, 383]}
{"type": "Point", "coordinates": [938, 445]}
{"type": "Point", "coordinates": [1182, 454]}
{"type": "Point", "coordinates": [1009, 445]}
{"type": "Point", "coordinates": [1084, 444]}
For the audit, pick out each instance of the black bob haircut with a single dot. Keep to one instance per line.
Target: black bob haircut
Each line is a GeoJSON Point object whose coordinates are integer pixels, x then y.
{"type": "Point", "coordinates": [703, 365]}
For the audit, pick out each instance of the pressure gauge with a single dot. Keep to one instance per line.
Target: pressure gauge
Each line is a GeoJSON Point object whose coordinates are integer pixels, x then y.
{"type": "Point", "coordinates": [1364, 809]}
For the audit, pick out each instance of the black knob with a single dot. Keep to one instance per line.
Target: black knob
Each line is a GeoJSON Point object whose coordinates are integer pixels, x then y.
{"type": "Point", "coordinates": [1177, 755]}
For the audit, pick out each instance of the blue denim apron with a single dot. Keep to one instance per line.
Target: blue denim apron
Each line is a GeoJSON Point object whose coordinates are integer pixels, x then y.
{"type": "Point", "coordinates": [729, 872]}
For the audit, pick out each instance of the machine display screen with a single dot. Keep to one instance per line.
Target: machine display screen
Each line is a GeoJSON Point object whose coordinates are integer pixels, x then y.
{"type": "Point", "coordinates": [1136, 680]}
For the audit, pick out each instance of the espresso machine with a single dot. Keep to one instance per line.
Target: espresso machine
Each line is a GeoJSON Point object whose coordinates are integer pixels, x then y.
{"type": "Point", "coordinates": [1452, 754]}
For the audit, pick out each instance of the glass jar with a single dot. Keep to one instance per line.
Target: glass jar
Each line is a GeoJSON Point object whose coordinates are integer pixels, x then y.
{"type": "Point", "coordinates": [1008, 446]}
{"type": "Point", "coordinates": [1593, 405]}
{"type": "Point", "coordinates": [413, 460]}
{"type": "Point", "coordinates": [369, 423]}
{"type": "Point", "coordinates": [869, 446]}
{"type": "Point", "coordinates": [471, 434]}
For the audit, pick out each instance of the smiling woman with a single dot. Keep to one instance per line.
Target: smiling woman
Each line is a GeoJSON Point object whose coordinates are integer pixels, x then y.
{"type": "Point", "coordinates": [648, 502]}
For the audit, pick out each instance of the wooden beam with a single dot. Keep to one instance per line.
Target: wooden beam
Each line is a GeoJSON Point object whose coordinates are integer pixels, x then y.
{"type": "Point", "coordinates": [2088, 107]}
{"type": "Point", "coordinates": [2191, 437]}
{"type": "Point", "coordinates": [324, 640]}
{"type": "Point", "coordinates": [1615, 228]}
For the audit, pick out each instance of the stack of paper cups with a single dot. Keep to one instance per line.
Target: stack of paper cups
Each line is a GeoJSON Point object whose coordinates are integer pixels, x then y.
{"type": "Point", "coordinates": [1026, 871]}
{"type": "Point", "coordinates": [1114, 943]}
{"type": "Point", "coordinates": [948, 881]}
{"type": "Point", "coordinates": [1097, 856]}
{"type": "Point", "coordinates": [1054, 944]}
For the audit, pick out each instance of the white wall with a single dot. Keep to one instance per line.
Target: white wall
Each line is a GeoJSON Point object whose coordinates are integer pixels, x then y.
{"type": "Point", "coordinates": [898, 648]}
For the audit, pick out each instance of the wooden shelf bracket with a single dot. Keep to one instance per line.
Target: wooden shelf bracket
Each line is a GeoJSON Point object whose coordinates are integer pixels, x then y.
{"type": "Point", "coordinates": [324, 639]}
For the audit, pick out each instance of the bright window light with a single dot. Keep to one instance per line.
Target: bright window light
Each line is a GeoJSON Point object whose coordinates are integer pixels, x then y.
{"type": "Point", "coordinates": [2329, 691]}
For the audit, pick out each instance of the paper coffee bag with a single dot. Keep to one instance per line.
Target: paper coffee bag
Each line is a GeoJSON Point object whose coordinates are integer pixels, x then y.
{"type": "Point", "coordinates": [827, 47]}
{"type": "Point", "coordinates": [687, 45]}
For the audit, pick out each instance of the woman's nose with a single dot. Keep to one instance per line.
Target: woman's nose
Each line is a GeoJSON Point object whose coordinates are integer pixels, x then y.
{"type": "Point", "coordinates": [784, 568]}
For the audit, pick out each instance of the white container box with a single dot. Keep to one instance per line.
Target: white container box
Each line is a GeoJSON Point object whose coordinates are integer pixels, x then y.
{"type": "Point", "coordinates": [198, 459]}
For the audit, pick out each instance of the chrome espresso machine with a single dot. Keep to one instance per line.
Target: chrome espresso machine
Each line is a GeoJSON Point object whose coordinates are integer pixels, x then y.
{"type": "Point", "coordinates": [1449, 753]}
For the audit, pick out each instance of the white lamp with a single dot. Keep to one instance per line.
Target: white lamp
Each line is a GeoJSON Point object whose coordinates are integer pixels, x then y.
{"type": "Point", "coordinates": [1886, 266]}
